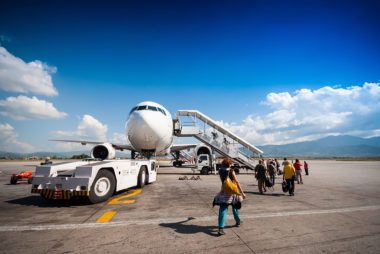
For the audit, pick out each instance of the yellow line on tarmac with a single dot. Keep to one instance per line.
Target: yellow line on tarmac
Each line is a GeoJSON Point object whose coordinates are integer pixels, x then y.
{"type": "Point", "coordinates": [106, 217]}
{"type": "Point", "coordinates": [124, 200]}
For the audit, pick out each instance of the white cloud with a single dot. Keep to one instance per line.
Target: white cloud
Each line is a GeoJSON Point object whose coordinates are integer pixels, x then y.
{"type": "Point", "coordinates": [119, 138]}
{"type": "Point", "coordinates": [23, 108]}
{"type": "Point", "coordinates": [311, 114]}
{"type": "Point", "coordinates": [89, 128]}
{"type": "Point", "coordinates": [19, 76]}
{"type": "Point", "coordinates": [9, 140]}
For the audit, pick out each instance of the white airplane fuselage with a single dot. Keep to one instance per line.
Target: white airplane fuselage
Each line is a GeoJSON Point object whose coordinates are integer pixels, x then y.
{"type": "Point", "coordinates": [149, 128]}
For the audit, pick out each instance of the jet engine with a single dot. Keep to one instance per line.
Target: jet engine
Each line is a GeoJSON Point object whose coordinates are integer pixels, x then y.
{"type": "Point", "coordinates": [103, 152]}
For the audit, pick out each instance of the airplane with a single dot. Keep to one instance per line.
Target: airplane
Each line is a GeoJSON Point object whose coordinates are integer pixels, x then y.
{"type": "Point", "coordinates": [149, 129]}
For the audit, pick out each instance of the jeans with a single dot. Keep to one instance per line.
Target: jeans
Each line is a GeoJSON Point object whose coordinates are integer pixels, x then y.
{"type": "Point", "coordinates": [290, 183]}
{"type": "Point", "coordinates": [223, 215]}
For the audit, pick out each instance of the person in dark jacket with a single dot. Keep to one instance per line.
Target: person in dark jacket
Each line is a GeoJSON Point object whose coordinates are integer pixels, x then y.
{"type": "Point", "coordinates": [260, 174]}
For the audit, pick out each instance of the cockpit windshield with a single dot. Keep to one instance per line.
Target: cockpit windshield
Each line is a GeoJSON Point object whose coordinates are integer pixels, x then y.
{"type": "Point", "coordinates": [146, 107]}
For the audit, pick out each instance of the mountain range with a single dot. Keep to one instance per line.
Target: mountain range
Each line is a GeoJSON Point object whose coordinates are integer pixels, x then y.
{"type": "Point", "coordinates": [331, 146]}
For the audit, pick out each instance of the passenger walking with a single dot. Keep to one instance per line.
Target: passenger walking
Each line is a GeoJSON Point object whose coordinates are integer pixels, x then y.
{"type": "Point", "coordinates": [306, 167]}
{"type": "Point", "coordinates": [289, 175]}
{"type": "Point", "coordinates": [284, 161]}
{"type": "Point", "coordinates": [272, 171]}
{"type": "Point", "coordinates": [277, 166]}
{"type": "Point", "coordinates": [225, 172]}
{"type": "Point", "coordinates": [297, 165]}
{"type": "Point", "coordinates": [260, 174]}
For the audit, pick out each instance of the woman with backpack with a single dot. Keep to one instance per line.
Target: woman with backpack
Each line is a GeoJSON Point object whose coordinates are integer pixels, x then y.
{"type": "Point", "coordinates": [227, 199]}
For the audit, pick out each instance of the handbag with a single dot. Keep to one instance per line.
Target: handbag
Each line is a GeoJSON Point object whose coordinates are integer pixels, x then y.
{"type": "Point", "coordinates": [268, 182]}
{"type": "Point", "coordinates": [285, 186]}
{"type": "Point", "coordinates": [237, 201]}
{"type": "Point", "coordinates": [230, 187]}
{"type": "Point", "coordinates": [222, 199]}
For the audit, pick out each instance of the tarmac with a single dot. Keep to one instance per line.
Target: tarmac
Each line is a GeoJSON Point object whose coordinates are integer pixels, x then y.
{"type": "Point", "coordinates": [336, 210]}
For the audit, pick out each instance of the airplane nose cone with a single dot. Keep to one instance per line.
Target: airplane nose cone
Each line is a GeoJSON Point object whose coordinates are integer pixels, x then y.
{"type": "Point", "coordinates": [143, 131]}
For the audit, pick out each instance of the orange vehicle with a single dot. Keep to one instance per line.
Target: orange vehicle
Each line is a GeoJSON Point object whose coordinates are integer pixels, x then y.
{"type": "Point", "coordinates": [25, 175]}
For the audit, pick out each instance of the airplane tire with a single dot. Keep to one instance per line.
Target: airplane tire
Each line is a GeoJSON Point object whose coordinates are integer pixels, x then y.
{"type": "Point", "coordinates": [142, 178]}
{"type": "Point", "coordinates": [103, 187]}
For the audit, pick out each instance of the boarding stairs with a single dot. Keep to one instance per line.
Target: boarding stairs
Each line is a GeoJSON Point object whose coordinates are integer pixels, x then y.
{"type": "Point", "coordinates": [183, 156]}
{"type": "Point", "coordinates": [192, 123]}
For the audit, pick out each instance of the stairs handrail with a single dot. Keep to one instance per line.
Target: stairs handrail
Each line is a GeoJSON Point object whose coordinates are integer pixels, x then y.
{"type": "Point", "coordinates": [218, 127]}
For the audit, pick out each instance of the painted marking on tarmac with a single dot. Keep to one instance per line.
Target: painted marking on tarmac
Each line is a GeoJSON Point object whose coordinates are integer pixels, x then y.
{"type": "Point", "coordinates": [106, 217]}
{"type": "Point", "coordinates": [124, 200]}
{"type": "Point", "coordinates": [174, 220]}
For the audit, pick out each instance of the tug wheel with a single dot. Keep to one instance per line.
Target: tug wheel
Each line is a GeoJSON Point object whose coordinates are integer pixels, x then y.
{"type": "Point", "coordinates": [103, 187]}
{"type": "Point", "coordinates": [142, 178]}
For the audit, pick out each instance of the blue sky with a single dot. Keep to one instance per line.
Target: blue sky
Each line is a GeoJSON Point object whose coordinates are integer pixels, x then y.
{"type": "Point", "coordinates": [236, 61]}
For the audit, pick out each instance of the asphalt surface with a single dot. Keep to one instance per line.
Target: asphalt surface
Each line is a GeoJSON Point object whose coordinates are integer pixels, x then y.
{"type": "Point", "coordinates": [336, 210]}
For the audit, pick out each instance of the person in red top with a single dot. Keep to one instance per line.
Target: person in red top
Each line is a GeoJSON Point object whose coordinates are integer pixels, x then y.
{"type": "Point", "coordinates": [297, 165]}
{"type": "Point", "coordinates": [306, 167]}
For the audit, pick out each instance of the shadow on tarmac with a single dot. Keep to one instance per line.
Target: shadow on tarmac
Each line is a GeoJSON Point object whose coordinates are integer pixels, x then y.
{"type": "Point", "coordinates": [182, 228]}
{"type": "Point", "coordinates": [174, 173]}
{"type": "Point", "coordinates": [265, 193]}
{"type": "Point", "coordinates": [18, 183]}
{"type": "Point", "coordinates": [171, 166]}
{"type": "Point", "coordinates": [41, 202]}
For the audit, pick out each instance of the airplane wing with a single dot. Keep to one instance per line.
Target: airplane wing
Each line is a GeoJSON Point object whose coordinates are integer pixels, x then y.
{"type": "Point", "coordinates": [85, 142]}
{"type": "Point", "coordinates": [178, 147]}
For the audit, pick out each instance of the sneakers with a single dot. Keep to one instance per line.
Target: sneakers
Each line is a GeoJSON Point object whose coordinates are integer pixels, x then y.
{"type": "Point", "coordinates": [221, 230]}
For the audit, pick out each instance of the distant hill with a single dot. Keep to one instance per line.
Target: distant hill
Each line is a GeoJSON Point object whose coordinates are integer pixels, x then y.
{"type": "Point", "coordinates": [331, 146]}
